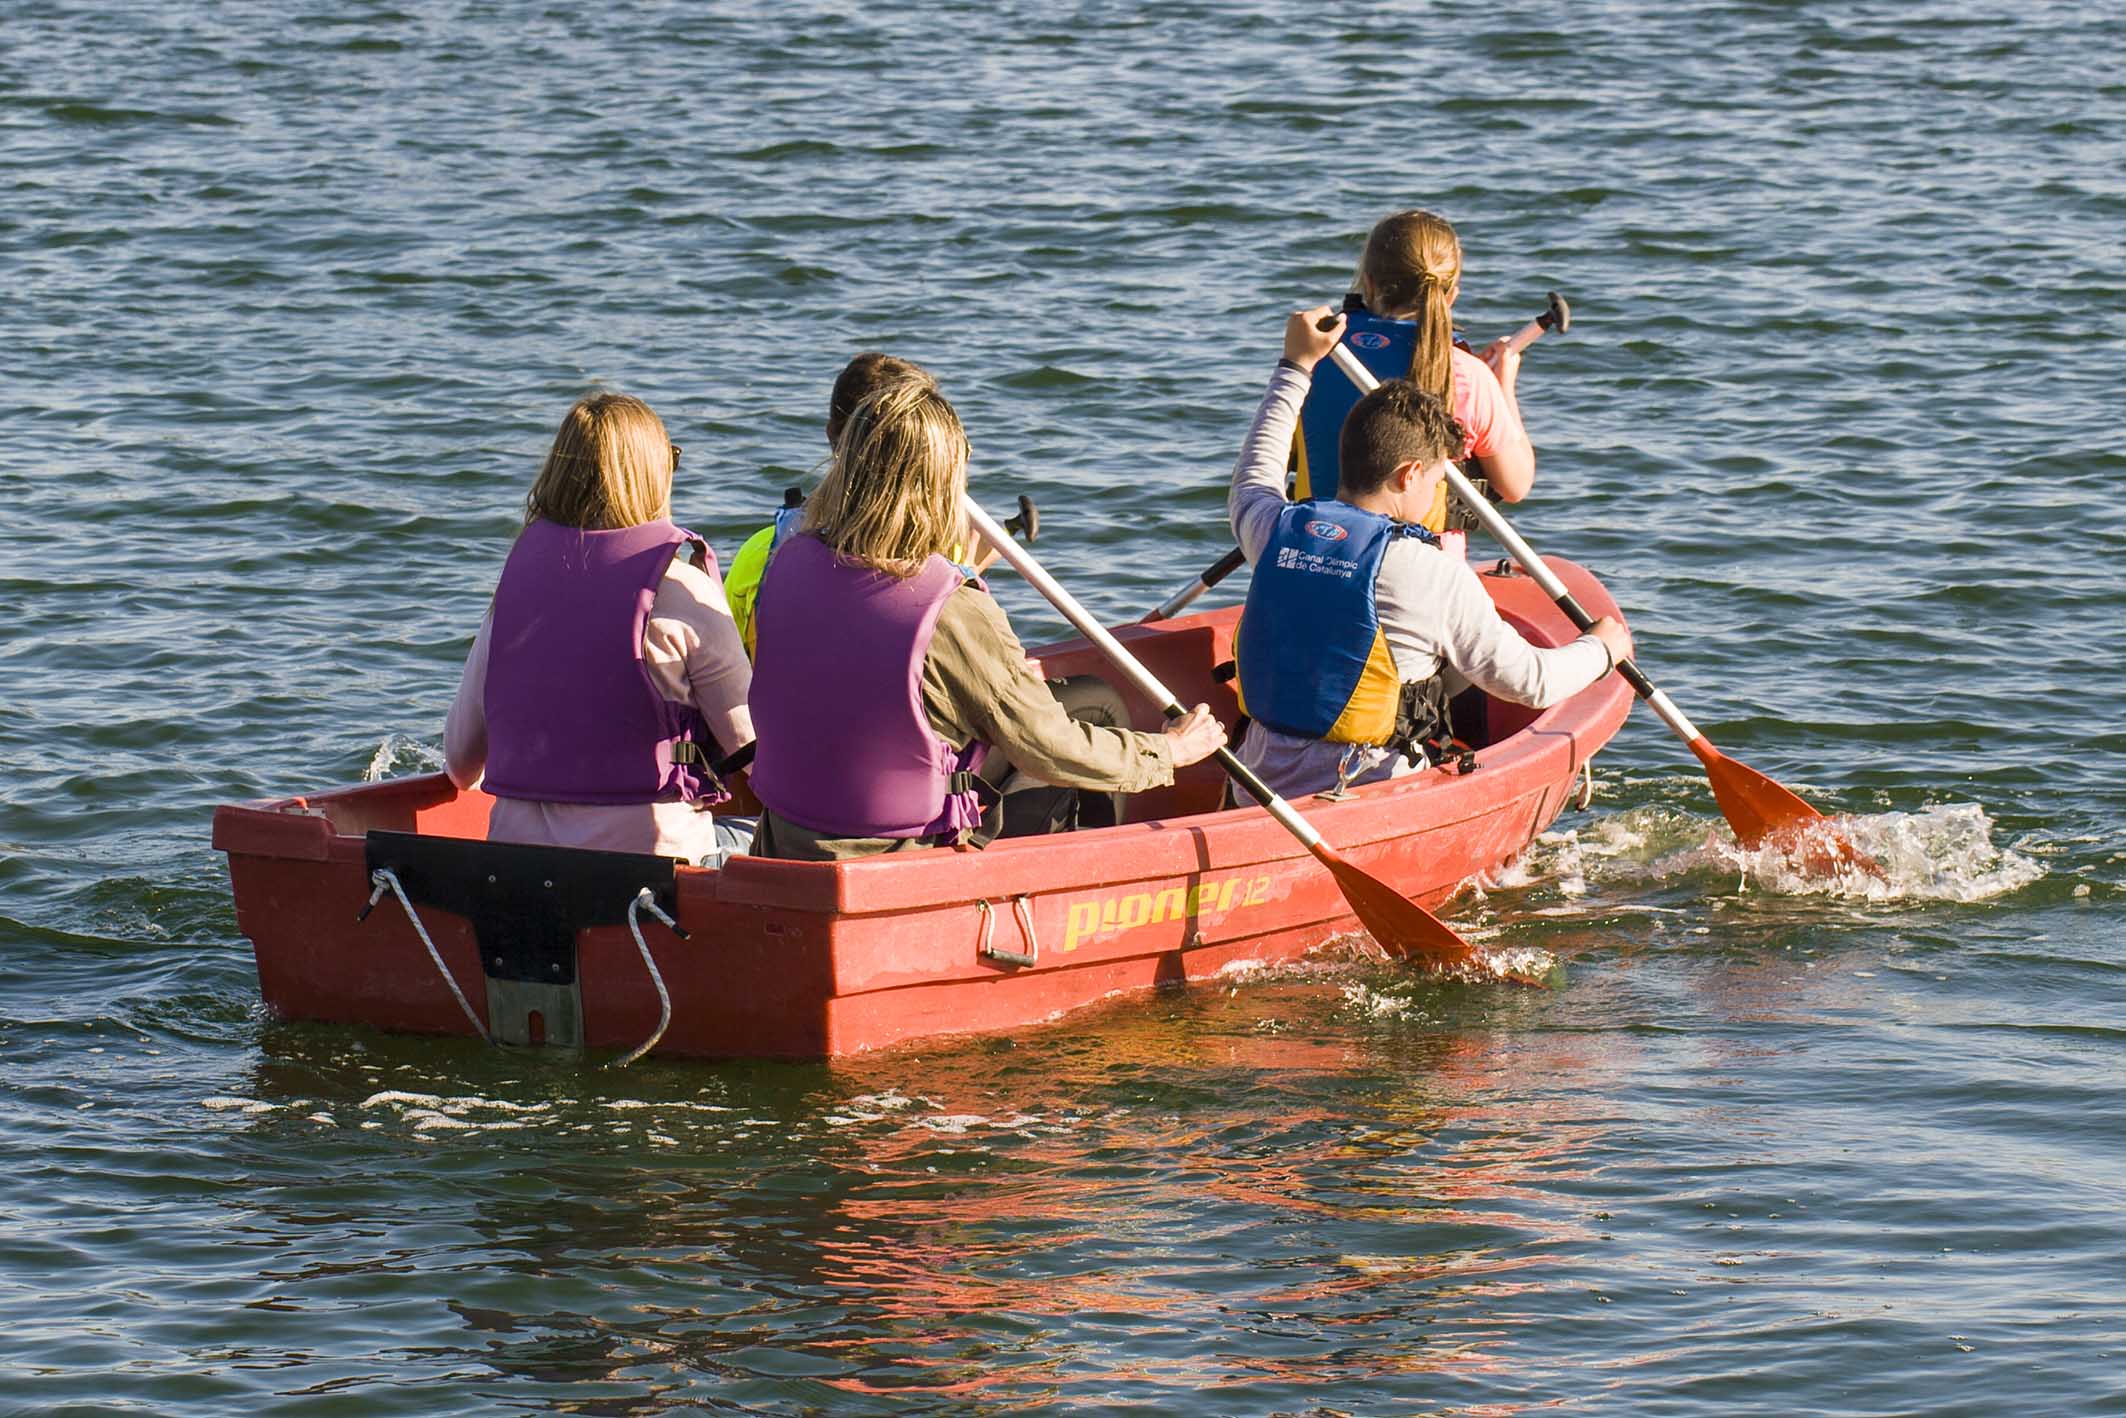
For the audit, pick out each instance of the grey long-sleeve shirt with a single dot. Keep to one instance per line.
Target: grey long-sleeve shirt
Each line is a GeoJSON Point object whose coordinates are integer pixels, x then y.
{"type": "Point", "coordinates": [1432, 608]}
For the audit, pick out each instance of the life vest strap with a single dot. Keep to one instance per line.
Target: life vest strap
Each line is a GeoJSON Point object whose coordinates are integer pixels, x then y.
{"type": "Point", "coordinates": [714, 769]}
{"type": "Point", "coordinates": [1422, 717]}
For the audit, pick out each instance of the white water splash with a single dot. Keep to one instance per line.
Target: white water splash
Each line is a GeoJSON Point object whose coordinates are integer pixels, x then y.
{"type": "Point", "coordinates": [399, 755]}
{"type": "Point", "coordinates": [1940, 853]}
{"type": "Point", "coordinates": [1378, 1004]}
{"type": "Point", "coordinates": [1527, 963]}
{"type": "Point", "coordinates": [952, 1124]}
{"type": "Point", "coordinates": [454, 1106]}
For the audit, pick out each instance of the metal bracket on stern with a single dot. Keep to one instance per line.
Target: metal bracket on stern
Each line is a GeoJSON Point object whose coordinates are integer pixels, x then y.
{"type": "Point", "coordinates": [526, 905]}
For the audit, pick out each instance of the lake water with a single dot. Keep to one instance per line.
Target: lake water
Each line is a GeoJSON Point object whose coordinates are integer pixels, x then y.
{"type": "Point", "coordinates": [296, 296]}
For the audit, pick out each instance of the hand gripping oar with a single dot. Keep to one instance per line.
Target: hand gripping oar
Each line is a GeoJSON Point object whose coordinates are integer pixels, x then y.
{"type": "Point", "coordinates": [1754, 805]}
{"type": "Point", "coordinates": [1027, 524]}
{"type": "Point", "coordinates": [1558, 317]}
{"type": "Point", "coordinates": [1404, 929]}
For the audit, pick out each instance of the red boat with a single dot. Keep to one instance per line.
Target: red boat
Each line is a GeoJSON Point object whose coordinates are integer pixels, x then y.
{"type": "Point", "coordinates": [810, 960]}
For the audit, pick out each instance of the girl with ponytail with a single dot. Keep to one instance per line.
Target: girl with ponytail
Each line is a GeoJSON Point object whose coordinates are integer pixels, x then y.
{"type": "Point", "coordinates": [1408, 277]}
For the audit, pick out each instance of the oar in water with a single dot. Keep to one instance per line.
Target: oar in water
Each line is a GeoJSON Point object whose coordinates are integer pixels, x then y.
{"type": "Point", "coordinates": [1755, 807]}
{"type": "Point", "coordinates": [1557, 315]}
{"type": "Point", "coordinates": [1404, 929]}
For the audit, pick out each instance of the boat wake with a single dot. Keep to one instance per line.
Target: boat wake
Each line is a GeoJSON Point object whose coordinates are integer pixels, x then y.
{"type": "Point", "coordinates": [1940, 853]}
{"type": "Point", "coordinates": [1491, 964]}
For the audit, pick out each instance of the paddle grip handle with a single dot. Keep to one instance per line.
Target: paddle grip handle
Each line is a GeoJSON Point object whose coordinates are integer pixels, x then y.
{"type": "Point", "coordinates": [1260, 791]}
{"type": "Point", "coordinates": [1224, 566]}
{"type": "Point", "coordinates": [1245, 777]}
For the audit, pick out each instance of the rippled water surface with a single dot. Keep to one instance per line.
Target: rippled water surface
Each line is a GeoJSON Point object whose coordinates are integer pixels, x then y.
{"type": "Point", "coordinates": [296, 296]}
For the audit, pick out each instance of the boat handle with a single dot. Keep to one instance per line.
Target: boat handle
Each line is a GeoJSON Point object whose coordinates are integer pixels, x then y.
{"type": "Point", "coordinates": [988, 949]}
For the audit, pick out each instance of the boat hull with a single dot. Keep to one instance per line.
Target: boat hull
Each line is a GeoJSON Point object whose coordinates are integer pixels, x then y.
{"type": "Point", "coordinates": [814, 960]}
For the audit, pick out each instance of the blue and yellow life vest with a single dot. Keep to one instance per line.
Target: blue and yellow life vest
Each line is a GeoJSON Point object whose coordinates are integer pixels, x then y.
{"type": "Point", "coordinates": [1312, 657]}
{"type": "Point", "coordinates": [1383, 346]}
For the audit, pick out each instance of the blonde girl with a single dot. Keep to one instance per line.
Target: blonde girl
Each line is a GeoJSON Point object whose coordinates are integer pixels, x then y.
{"type": "Point", "coordinates": [1409, 276]}
{"type": "Point", "coordinates": [608, 674]}
{"type": "Point", "coordinates": [885, 679]}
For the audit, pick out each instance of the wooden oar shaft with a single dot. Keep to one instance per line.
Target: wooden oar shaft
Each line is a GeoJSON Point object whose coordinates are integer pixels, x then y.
{"type": "Point", "coordinates": [1502, 532]}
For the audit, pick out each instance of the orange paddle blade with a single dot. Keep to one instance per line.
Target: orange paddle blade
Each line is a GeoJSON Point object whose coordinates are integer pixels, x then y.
{"type": "Point", "coordinates": [1406, 930]}
{"type": "Point", "coordinates": [1759, 809]}
{"type": "Point", "coordinates": [1754, 805]}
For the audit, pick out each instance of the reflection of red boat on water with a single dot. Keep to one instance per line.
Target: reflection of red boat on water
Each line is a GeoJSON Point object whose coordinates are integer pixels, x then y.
{"type": "Point", "coordinates": [807, 960]}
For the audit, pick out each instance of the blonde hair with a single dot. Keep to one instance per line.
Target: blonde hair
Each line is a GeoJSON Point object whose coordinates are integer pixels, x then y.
{"type": "Point", "coordinates": [610, 467]}
{"type": "Point", "coordinates": [891, 497]}
{"type": "Point", "coordinates": [1411, 269]}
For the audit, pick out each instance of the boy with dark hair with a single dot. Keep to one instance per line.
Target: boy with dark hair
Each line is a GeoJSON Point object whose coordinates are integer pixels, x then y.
{"type": "Point", "coordinates": [1358, 627]}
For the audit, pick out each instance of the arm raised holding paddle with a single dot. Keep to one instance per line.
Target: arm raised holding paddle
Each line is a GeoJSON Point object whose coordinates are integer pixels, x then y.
{"type": "Point", "coordinates": [1501, 357]}
{"type": "Point", "coordinates": [1359, 627]}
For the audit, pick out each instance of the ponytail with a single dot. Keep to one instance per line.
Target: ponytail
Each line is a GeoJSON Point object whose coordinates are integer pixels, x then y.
{"type": "Point", "coordinates": [1411, 267]}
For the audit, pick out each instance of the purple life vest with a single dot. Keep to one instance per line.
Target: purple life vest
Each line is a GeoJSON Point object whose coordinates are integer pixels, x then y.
{"type": "Point", "coordinates": [845, 747]}
{"type": "Point", "coordinates": [572, 714]}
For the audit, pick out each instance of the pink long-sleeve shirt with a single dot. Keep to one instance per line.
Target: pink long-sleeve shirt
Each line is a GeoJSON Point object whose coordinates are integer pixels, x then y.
{"type": "Point", "coordinates": [691, 649]}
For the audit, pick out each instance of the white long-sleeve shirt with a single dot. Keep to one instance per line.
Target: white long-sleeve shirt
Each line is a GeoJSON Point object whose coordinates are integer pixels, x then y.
{"type": "Point", "coordinates": [1432, 609]}
{"type": "Point", "coordinates": [691, 649]}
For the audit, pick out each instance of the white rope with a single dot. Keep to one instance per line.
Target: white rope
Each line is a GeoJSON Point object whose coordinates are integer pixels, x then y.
{"type": "Point", "coordinates": [1023, 909]}
{"type": "Point", "coordinates": [384, 877]}
{"type": "Point", "coordinates": [645, 901]}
